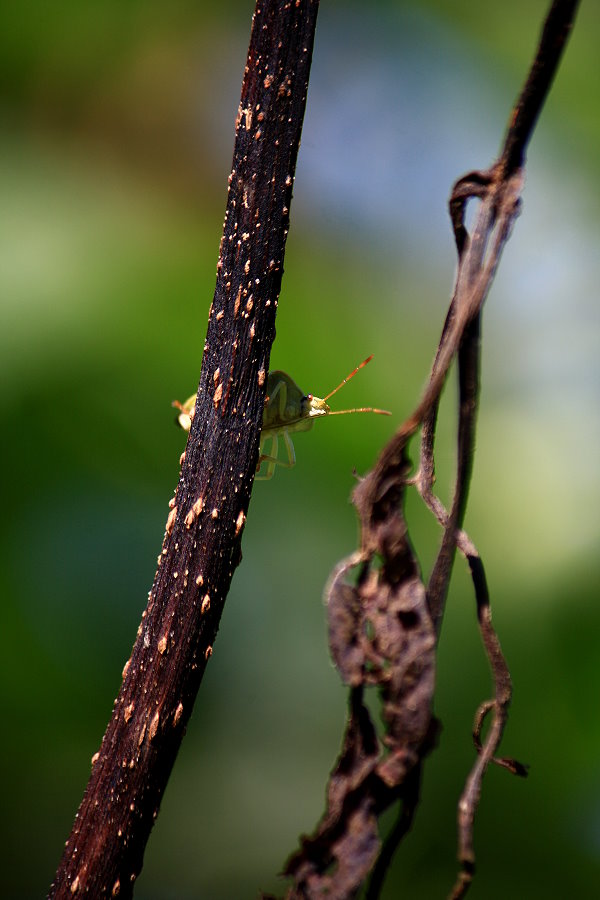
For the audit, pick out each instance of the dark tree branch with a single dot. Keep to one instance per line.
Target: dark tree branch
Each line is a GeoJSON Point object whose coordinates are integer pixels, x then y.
{"type": "Point", "coordinates": [556, 31]}
{"type": "Point", "coordinates": [406, 812]}
{"type": "Point", "coordinates": [201, 546]}
{"type": "Point", "coordinates": [381, 631]}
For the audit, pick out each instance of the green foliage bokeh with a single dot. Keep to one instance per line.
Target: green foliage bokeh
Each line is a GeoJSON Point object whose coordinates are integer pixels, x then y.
{"type": "Point", "coordinates": [115, 149]}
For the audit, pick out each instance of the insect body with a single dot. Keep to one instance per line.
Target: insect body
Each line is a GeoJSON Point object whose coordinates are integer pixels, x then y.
{"type": "Point", "coordinates": [287, 409]}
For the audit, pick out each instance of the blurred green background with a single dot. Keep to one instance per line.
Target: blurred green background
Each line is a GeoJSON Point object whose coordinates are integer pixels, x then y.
{"type": "Point", "coordinates": [117, 133]}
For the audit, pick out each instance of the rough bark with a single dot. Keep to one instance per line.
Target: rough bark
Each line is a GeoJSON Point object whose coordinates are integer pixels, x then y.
{"type": "Point", "coordinates": [201, 547]}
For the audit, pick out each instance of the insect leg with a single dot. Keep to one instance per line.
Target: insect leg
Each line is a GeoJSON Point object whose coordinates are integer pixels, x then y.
{"type": "Point", "coordinates": [279, 394]}
{"type": "Point", "coordinates": [273, 459]}
{"type": "Point", "coordinates": [289, 446]}
{"type": "Point", "coordinates": [270, 459]}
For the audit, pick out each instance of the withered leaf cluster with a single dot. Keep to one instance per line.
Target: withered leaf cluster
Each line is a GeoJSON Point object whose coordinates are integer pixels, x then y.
{"type": "Point", "coordinates": [384, 620]}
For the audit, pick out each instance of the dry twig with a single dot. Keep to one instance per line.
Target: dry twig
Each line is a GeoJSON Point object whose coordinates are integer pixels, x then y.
{"type": "Point", "coordinates": [383, 622]}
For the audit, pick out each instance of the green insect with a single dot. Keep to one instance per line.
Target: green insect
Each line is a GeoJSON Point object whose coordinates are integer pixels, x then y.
{"type": "Point", "coordinates": [287, 410]}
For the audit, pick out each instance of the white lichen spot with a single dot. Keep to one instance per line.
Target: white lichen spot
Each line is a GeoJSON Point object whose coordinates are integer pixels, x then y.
{"type": "Point", "coordinates": [239, 522]}
{"type": "Point", "coordinates": [171, 520]}
{"type": "Point", "coordinates": [146, 640]}
{"type": "Point", "coordinates": [245, 236]}
{"type": "Point", "coordinates": [247, 266]}
{"type": "Point", "coordinates": [162, 644]}
{"type": "Point", "coordinates": [214, 513]}
{"type": "Point", "coordinates": [252, 331]}
{"type": "Point", "coordinates": [175, 574]}
{"type": "Point", "coordinates": [249, 303]}
{"type": "Point", "coordinates": [288, 181]}
{"type": "Point", "coordinates": [128, 712]}
{"type": "Point", "coordinates": [153, 726]}
{"type": "Point", "coordinates": [178, 714]}
{"type": "Point", "coordinates": [199, 580]}
{"type": "Point", "coordinates": [268, 81]}
{"type": "Point", "coordinates": [261, 376]}
{"type": "Point", "coordinates": [205, 604]}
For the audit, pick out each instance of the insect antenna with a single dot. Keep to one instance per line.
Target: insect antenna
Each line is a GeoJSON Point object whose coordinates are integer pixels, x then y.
{"type": "Point", "coordinates": [348, 377]}
{"type": "Point", "coordinates": [342, 412]}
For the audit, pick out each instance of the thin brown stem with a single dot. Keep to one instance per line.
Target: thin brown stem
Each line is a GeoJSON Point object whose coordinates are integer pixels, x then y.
{"type": "Point", "coordinates": [381, 631]}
